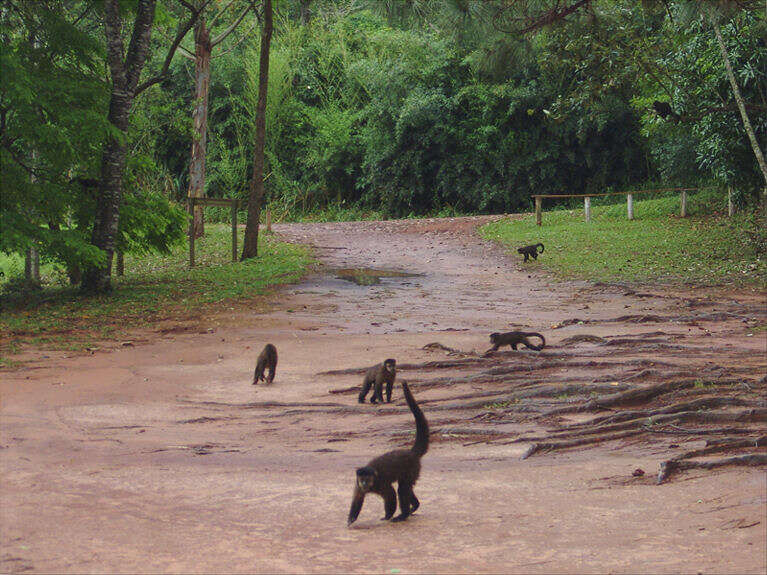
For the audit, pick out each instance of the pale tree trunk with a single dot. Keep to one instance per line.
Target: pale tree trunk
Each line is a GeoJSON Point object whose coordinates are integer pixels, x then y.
{"type": "Point", "coordinates": [202, 50]}
{"type": "Point", "coordinates": [742, 107]}
{"type": "Point", "coordinates": [32, 256]}
{"type": "Point", "coordinates": [250, 245]}
{"type": "Point", "coordinates": [32, 266]}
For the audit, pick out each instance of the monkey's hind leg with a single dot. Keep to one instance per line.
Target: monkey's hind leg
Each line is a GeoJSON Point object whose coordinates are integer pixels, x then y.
{"type": "Point", "coordinates": [404, 490]}
{"type": "Point", "coordinates": [272, 371]}
{"type": "Point", "coordinates": [377, 392]}
{"type": "Point", "coordinates": [365, 388]}
{"type": "Point", "coordinates": [390, 503]}
{"type": "Point", "coordinates": [414, 503]}
{"type": "Point", "coordinates": [535, 255]}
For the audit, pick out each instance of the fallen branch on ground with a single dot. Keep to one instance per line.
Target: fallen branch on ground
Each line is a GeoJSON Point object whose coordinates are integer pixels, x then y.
{"type": "Point", "coordinates": [672, 466]}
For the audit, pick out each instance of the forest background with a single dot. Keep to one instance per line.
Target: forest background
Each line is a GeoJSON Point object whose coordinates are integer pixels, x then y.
{"type": "Point", "coordinates": [376, 108]}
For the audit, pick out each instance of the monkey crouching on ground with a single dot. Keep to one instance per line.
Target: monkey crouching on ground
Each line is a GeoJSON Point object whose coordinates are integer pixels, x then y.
{"type": "Point", "coordinates": [400, 465]}
{"type": "Point", "coordinates": [377, 375]}
{"type": "Point", "coordinates": [515, 338]}
{"type": "Point", "coordinates": [531, 250]}
{"type": "Point", "coordinates": [266, 359]}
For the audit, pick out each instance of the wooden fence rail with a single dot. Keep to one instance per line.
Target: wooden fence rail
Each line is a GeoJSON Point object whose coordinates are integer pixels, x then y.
{"type": "Point", "coordinates": [629, 201]}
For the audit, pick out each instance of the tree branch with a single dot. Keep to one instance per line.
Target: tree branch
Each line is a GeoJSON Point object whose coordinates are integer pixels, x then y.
{"type": "Point", "coordinates": [239, 40]}
{"type": "Point", "coordinates": [218, 39]}
{"type": "Point", "coordinates": [182, 31]}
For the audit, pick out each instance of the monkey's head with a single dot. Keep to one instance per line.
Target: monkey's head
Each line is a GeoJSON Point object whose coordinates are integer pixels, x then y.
{"type": "Point", "coordinates": [520, 250]}
{"type": "Point", "coordinates": [494, 337]}
{"type": "Point", "coordinates": [389, 365]}
{"type": "Point", "coordinates": [366, 478]}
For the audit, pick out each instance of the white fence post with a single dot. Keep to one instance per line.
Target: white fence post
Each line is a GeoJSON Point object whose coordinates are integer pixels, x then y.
{"type": "Point", "coordinates": [684, 205]}
{"type": "Point", "coordinates": [630, 205]}
{"type": "Point", "coordinates": [587, 207]}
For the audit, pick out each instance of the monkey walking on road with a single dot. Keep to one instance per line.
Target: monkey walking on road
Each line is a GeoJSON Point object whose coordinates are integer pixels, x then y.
{"type": "Point", "coordinates": [400, 465]}
{"type": "Point", "coordinates": [377, 375]}
{"type": "Point", "coordinates": [515, 338]}
{"type": "Point", "coordinates": [266, 359]}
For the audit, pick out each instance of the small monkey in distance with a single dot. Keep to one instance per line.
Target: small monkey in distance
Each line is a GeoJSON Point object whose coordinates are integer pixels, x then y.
{"type": "Point", "coordinates": [266, 359]}
{"type": "Point", "coordinates": [530, 251]}
{"type": "Point", "coordinates": [377, 375]}
{"type": "Point", "coordinates": [400, 465]}
{"type": "Point", "coordinates": [514, 338]}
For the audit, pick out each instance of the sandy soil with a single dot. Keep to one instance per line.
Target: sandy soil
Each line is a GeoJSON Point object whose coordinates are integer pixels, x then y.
{"type": "Point", "coordinates": [162, 456]}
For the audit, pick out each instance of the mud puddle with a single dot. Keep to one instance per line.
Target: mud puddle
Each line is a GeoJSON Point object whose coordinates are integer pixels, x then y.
{"type": "Point", "coordinates": [369, 276]}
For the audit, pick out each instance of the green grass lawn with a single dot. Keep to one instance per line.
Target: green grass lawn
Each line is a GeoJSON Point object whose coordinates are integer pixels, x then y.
{"type": "Point", "coordinates": [658, 245]}
{"type": "Point", "coordinates": [154, 288]}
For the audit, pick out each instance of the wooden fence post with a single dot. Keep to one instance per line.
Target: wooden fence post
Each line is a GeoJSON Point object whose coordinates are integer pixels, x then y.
{"type": "Point", "coordinates": [538, 202]}
{"type": "Point", "coordinates": [191, 232]}
{"type": "Point", "coordinates": [630, 205]}
{"type": "Point", "coordinates": [730, 205]}
{"type": "Point", "coordinates": [234, 230]}
{"type": "Point", "coordinates": [120, 263]}
{"type": "Point", "coordinates": [683, 212]}
{"type": "Point", "coordinates": [587, 207]}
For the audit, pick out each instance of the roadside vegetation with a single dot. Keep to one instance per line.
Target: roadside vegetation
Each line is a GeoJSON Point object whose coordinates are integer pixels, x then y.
{"type": "Point", "coordinates": [706, 247]}
{"type": "Point", "coordinates": [154, 288]}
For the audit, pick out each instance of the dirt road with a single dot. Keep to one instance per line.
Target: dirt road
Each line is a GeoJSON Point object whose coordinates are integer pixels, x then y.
{"type": "Point", "coordinates": [162, 457]}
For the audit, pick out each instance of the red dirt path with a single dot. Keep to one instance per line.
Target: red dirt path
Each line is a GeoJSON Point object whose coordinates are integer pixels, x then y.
{"type": "Point", "coordinates": [163, 457]}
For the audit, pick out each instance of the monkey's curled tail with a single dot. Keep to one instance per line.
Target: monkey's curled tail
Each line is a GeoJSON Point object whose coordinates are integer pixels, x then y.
{"type": "Point", "coordinates": [421, 444]}
{"type": "Point", "coordinates": [541, 249]}
{"type": "Point", "coordinates": [536, 334]}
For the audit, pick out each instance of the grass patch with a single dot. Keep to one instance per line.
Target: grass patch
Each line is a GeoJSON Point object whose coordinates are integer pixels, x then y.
{"type": "Point", "coordinates": [704, 248]}
{"type": "Point", "coordinates": [154, 288]}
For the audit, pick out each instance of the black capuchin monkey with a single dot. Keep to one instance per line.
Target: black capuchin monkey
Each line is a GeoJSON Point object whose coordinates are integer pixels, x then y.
{"type": "Point", "coordinates": [377, 375]}
{"type": "Point", "coordinates": [514, 338]}
{"type": "Point", "coordinates": [400, 465]}
{"type": "Point", "coordinates": [530, 251]}
{"type": "Point", "coordinates": [267, 358]}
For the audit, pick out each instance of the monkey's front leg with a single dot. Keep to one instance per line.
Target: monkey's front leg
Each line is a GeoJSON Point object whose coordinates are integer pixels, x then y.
{"type": "Point", "coordinates": [354, 511]}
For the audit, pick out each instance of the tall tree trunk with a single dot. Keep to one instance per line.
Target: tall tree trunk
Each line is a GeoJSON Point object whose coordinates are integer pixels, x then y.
{"type": "Point", "coordinates": [125, 72]}
{"type": "Point", "coordinates": [250, 245]}
{"type": "Point", "coordinates": [742, 107]}
{"type": "Point", "coordinates": [202, 50]}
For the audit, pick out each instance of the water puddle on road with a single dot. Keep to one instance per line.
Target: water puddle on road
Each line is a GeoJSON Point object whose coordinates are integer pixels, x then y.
{"type": "Point", "coordinates": [369, 276]}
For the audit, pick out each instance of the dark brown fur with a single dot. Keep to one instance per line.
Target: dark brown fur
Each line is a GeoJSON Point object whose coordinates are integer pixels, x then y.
{"type": "Point", "coordinates": [400, 465]}
{"type": "Point", "coordinates": [385, 372]}
{"type": "Point", "coordinates": [514, 338]}
{"type": "Point", "coordinates": [530, 251]}
{"type": "Point", "coordinates": [266, 359]}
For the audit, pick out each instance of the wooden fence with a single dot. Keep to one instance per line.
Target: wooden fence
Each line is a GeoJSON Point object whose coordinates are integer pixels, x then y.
{"type": "Point", "coordinates": [234, 205]}
{"type": "Point", "coordinates": [629, 201]}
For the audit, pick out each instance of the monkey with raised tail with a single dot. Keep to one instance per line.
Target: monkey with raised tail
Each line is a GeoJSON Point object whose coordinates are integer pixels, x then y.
{"type": "Point", "coordinates": [400, 465]}
{"type": "Point", "coordinates": [530, 251]}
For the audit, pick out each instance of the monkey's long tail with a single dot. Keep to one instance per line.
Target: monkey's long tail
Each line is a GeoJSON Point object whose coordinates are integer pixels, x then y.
{"type": "Point", "coordinates": [541, 247]}
{"type": "Point", "coordinates": [421, 444]}
{"type": "Point", "coordinates": [536, 334]}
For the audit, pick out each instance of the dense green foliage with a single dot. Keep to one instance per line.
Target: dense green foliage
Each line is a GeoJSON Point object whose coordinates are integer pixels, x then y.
{"type": "Point", "coordinates": [383, 108]}
{"type": "Point", "coordinates": [657, 245]}
{"type": "Point", "coordinates": [156, 287]}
